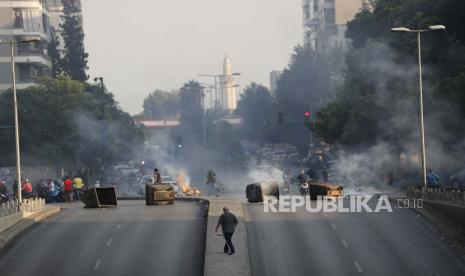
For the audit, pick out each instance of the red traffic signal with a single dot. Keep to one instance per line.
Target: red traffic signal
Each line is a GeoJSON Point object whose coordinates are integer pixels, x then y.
{"type": "Point", "coordinates": [307, 115]}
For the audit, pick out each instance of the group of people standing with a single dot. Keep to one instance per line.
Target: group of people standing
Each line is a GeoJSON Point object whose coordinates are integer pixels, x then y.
{"type": "Point", "coordinates": [72, 188]}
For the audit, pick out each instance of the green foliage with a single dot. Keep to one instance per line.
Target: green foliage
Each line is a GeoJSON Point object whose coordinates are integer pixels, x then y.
{"type": "Point", "coordinates": [55, 56]}
{"type": "Point", "coordinates": [191, 127]}
{"type": "Point", "coordinates": [256, 107]}
{"type": "Point", "coordinates": [161, 105]}
{"type": "Point", "coordinates": [379, 97]}
{"type": "Point", "coordinates": [306, 85]}
{"type": "Point", "coordinates": [74, 63]}
{"type": "Point", "coordinates": [60, 124]}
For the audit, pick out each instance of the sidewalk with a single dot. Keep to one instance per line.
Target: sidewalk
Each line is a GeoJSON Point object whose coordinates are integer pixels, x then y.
{"type": "Point", "coordinates": [23, 224]}
{"type": "Point", "coordinates": [216, 261]}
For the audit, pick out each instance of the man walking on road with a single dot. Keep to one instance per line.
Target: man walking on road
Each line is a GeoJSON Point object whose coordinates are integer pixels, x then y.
{"type": "Point", "coordinates": [228, 222]}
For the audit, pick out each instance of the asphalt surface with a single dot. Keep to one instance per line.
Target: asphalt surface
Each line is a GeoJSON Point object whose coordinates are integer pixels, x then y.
{"type": "Point", "coordinates": [303, 243]}
{"type": "Point", "coordinates": [132, 239]}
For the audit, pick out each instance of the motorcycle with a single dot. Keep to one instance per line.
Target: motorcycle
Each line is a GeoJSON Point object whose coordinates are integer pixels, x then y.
{"type": "Point", "coordinates": [56, 195]}
{"type": "Point", "coordinates": [4, 198]}
{"type": "Point", "coordinates": [303, 188]}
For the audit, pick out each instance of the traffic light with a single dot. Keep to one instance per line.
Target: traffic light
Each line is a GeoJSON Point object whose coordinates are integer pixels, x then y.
{"type": "Point", "coordinates": [308, 120]}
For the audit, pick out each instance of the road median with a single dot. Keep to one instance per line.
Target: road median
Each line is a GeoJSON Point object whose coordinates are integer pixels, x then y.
{"type": "Point", "coordinates": [20, 225]}
{"type": "Point", "coordinates": [216, 261]}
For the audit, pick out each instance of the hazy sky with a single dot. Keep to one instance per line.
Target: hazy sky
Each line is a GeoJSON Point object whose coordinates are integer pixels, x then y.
{"type": "Point", "coordinates": [142, 45]}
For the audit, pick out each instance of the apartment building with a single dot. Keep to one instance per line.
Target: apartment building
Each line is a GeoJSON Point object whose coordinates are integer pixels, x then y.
{"type": "Point", "coordinates": [325, 22]}
{"type": "Point", "coordinates": [20, 20]}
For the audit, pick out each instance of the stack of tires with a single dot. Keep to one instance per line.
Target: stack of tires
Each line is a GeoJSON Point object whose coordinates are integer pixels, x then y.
{"type": "Point", "coordinates": [159, 194]}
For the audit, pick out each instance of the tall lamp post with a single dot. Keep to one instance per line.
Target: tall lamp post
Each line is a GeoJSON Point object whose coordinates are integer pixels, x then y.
{"type": "Point", "coordinates": [420, 78]}
{"type": "Point", "coordinates": [217, 103]}
{"type": "Point", "coordinates": [102, 92]}
{"type": "Point", "coordinates": [15, 108]}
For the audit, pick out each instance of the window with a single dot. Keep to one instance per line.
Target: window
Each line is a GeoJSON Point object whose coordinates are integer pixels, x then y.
{"type": "Point", "coordinates": [18, 17]}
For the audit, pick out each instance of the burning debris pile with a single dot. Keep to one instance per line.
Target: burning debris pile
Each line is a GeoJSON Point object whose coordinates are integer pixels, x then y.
{"type": "Point", "coordinates": [183, 182]}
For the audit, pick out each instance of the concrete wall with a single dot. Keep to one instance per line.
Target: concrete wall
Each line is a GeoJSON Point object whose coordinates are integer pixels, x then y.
{"type": "Point", "coordinates": [346, 10]}
{"type": "Point", "coordinates": [453, 213]}
{"type": "Point", "coordinates": [7, 221]}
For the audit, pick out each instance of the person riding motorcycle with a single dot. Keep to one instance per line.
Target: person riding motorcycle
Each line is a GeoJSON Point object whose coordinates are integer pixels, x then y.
{"type": "Point", "coordinates": [303, 182]}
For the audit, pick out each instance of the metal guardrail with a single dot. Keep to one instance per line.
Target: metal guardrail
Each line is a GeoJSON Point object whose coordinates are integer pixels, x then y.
{"type": "Point", "coordinates": [447, 195]}
{"type": "Point", "coordinates": [29, 205]}
{"type": "Point", "coordinates": [33, 205]}
{"type": "Point", "coordinates": [9, 208]}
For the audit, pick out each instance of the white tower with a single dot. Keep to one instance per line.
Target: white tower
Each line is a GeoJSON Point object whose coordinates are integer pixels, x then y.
{"type": "Point", "coordinates": [228, 99]}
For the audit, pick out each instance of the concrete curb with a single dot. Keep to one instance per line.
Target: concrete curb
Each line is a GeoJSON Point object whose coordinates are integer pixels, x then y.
{"type": "Point", "coordinates": [9, 234]}
{"type": "Point", "coordinates": [216, 262]}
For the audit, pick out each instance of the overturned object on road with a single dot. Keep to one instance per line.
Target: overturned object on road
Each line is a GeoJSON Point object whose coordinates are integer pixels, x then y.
{"type": "Point", "coordinates": [256, 192]}
{"type": "Point", "coordinates": [99, 197]}
{"type": "Point", "coordinates": [159, 194]}
{"type": "Point", "coordinates": [324, 189]}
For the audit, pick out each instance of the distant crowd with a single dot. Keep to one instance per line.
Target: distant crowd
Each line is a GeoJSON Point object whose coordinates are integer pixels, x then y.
{"type": "Point", "coordinates": [68, 189]}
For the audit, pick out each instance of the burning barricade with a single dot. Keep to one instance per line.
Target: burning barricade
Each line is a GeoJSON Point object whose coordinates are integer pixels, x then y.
{"type": "Point", "coordinates": [185, 189]}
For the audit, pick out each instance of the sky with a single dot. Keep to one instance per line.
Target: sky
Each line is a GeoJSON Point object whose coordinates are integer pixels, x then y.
{"type": "Point", "coordinates": [139, 46]}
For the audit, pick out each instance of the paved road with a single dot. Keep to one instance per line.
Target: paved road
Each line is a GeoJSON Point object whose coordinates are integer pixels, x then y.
{"type": "Point", "coordinates": [132, 239]}
{"type": "Point", "coordinates": [301, 243]}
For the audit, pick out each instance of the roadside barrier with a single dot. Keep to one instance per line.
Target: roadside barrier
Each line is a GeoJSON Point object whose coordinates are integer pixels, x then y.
{"type": "Point", "coordinates": [446, 195]}
{"type": "Point", "coordinates": [9, 208]}
{"type": "Point", "coordinates": [99, 197]}
{"type": "Point", "coordinates": [33, 205]}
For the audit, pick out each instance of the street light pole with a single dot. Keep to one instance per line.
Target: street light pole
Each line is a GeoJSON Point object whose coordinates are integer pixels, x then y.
{"type": "Point", "coordinates": [420, 81]}
{"type": "Point", "coordinates": [102, 93]}
{"type": "Point", "coordinates": [217, 79]}
{"type": "Point", "coordinates": [422, 122]}
{"type": "Point", "coordinates": [15, 108]}
{"type": "Point", "coordinates": [15, 103]}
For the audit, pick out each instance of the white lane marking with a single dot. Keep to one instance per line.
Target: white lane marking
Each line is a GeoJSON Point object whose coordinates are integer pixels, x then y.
{"type": "Point", "coordinates": [118, 226]}
{"type": "Point", "coordinates": [345, 243]}
{"type": "Point", "coordinates": [334, 226]}
{"type": "Point", "coordinates": [109, 242]}
{"type": "Point", "coordinates": [358, 267]}
{"type": "Point", "coordinates": [97, 264]}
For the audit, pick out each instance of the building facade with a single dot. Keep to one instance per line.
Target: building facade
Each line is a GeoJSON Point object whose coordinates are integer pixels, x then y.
{"type": "Point", "coordinates": [274, 77]}
{"type": "Point", "coordinates": [55, 13]}
{"type": "Point", "coordinates": [228, 96]}
{"type": "Point", "coordinates": [20, 20]}
{"type": "Point", "coordinates": [325, 22]}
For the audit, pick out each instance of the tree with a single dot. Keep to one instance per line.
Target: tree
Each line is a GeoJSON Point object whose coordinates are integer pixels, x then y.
{"type": "Point", "coordinates": [256, 107]}
{"type": "Point", "coordinates": [379, 97]}
{"type": "Point", "coordinates": [191, 127]}
{"type": "Point", "coordinates": [305, 86]}
{"type": "Point", "coordinates": [161, 105]}
{"type": "Point", "coordinates": [55, 56]}
{"type": "Point", "coordinates": [75, 56]}
{"type": "Point", "coordinates": [60, 126]}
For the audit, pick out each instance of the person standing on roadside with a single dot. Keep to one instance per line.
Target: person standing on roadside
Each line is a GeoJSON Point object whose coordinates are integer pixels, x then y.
{"type": "Point", "coordinates": [27, 189]}
{"type": "Point", "coordinates": [68, 187]}
{"type": "Point", "coordinates": [3, 188]}
{"type": "Point", "coordinates": [157, 176]}
{"type": "Point", "coordinates": [78, 185]}
{"type": "Point", "coordinates": [228, 222]}
{"type": "Point", "coordinates": [211, 183]}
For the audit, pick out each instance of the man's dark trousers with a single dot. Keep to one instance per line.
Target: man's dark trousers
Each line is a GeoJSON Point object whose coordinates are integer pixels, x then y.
{"type": "Point", "coordinates": [228, 246]}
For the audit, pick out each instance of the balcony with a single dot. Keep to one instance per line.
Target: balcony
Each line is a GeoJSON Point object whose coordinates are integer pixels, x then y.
{"type": "Point", "coordinates": [37, 56]}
